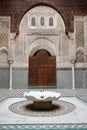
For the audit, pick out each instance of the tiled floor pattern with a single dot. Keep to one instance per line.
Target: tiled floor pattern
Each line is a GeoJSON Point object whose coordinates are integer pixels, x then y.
{"type": "Point", "coordinates": [64, 92]}
{"type": "Point", "coordinates": [25, 107]}
{"type": "Point", "coordinates": [78, 115]}
{"type": "Point", "coordinates": [18, 93]}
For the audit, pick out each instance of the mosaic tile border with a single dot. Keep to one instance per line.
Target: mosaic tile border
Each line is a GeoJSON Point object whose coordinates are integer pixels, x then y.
{"type": "Point", "coordinates": [82, 99]}
{"type": "Point", "coordinates": [44, 127]}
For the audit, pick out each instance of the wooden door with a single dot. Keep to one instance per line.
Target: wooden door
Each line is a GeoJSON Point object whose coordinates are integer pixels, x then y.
{"type": "Point", "coordinates": [42, 69]}
{"type": "Point", "coordinates": [42, 76]}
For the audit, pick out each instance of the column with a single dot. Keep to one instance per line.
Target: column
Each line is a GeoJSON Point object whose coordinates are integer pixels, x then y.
{"type": "Point", "coordinates": [73, 76]}
{"type": "Point", "coordinates": [10, 80]}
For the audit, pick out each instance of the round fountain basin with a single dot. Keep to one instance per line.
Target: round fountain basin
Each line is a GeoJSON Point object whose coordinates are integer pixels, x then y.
{"type": "Point", "coordinates": [42, 99]}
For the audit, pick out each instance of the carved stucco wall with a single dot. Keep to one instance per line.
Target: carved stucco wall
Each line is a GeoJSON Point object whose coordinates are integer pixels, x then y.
{"type": "Point", "coordinates": [52, 39]}
{"type": "Point", "coordinates": [80, 38]}
{"type": "Point", "coordinates": [4, 51]}
{"type": "Point", "coordinates": [65, 47]}
{"type": "Point", "coordinates": [4, 39]}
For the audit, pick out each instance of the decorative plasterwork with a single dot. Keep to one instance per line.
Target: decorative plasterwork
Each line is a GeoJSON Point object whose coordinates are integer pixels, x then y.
{"type": "Point", "coordinates": [42, 44]}
{"type": "Point", "coordinates": [4, 31]}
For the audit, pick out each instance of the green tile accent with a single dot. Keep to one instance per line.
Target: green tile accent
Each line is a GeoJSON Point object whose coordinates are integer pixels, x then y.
{"type": "Point", "coordinates": [63, 78]}
{"type": "Point", "coordinates": [44, 127]}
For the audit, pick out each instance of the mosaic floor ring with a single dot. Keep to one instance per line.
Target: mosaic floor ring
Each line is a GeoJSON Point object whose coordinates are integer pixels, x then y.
{"type": "Point", "coordinates": [26, 108]}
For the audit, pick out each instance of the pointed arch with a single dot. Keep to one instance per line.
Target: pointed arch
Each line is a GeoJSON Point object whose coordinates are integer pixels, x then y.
{"type": "Point", "coordinates": [80, 54]}
{"type": "Point", "coordinates": [42, 44]}
{"type": "Point", "coordinates": [4, 55]}
{"type": "Point", "coordinates": [4, 50]}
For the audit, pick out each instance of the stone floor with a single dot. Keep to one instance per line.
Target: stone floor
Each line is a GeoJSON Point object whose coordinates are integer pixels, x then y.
{"type": "Point", "coordinates": [74, 120]}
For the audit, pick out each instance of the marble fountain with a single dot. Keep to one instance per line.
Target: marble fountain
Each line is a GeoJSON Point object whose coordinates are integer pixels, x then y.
{"type": "Point", "coordinates": [41, 103]}
{"type": "Point", "coordinates": [42, 99]}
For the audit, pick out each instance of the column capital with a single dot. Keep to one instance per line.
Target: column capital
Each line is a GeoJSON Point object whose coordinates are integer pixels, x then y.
{"type": "Point", "coordinates": [73, 61]}
{"type": "Point", "coordinates": [10, 61]}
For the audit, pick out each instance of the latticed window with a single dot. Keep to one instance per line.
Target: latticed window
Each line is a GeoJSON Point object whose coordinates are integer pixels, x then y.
{"type": "Point", "coordinates": [4, 31]}
{"type": "Point", "coordinates": [50, 21]}
{"type": "Point", "coordinates": [79, 35]}
{"type": "Point", "coordinates": [42, 21]}
{"type": "Point", "coordinates": [33, 21]}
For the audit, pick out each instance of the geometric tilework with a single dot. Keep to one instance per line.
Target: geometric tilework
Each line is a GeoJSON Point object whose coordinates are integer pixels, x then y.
{"type": "Point", "coordinates": [80, 79]}
{"type": "Point", "coordinates": [59, 108]}
{"type": "Point", "coordinates": [63, 78]}
{"type": "Point", "coordinates": [45, 127]}
{"type": "Point", "coordinates": [18, 93]}
{"type": "Point", "coordinates": [66, 92]}
{"type": "Point", "coordinates": [4, 77]}
{"type": "Point", "coordinates": [4, 32]}
{"type": "Point", "coordinates": [69, 126]}
{"type": "Point", "coordinates": [20, 78]}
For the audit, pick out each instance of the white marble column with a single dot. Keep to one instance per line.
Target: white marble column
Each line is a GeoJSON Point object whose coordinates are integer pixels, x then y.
{"type": "Point", "coordinates": [73, 76]}
{"type": "Point", "coordinates": [10, 79]}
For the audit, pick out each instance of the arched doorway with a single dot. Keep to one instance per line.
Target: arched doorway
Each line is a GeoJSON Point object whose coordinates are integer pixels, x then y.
{"type": "Point", "coordinates": [42, 69]}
